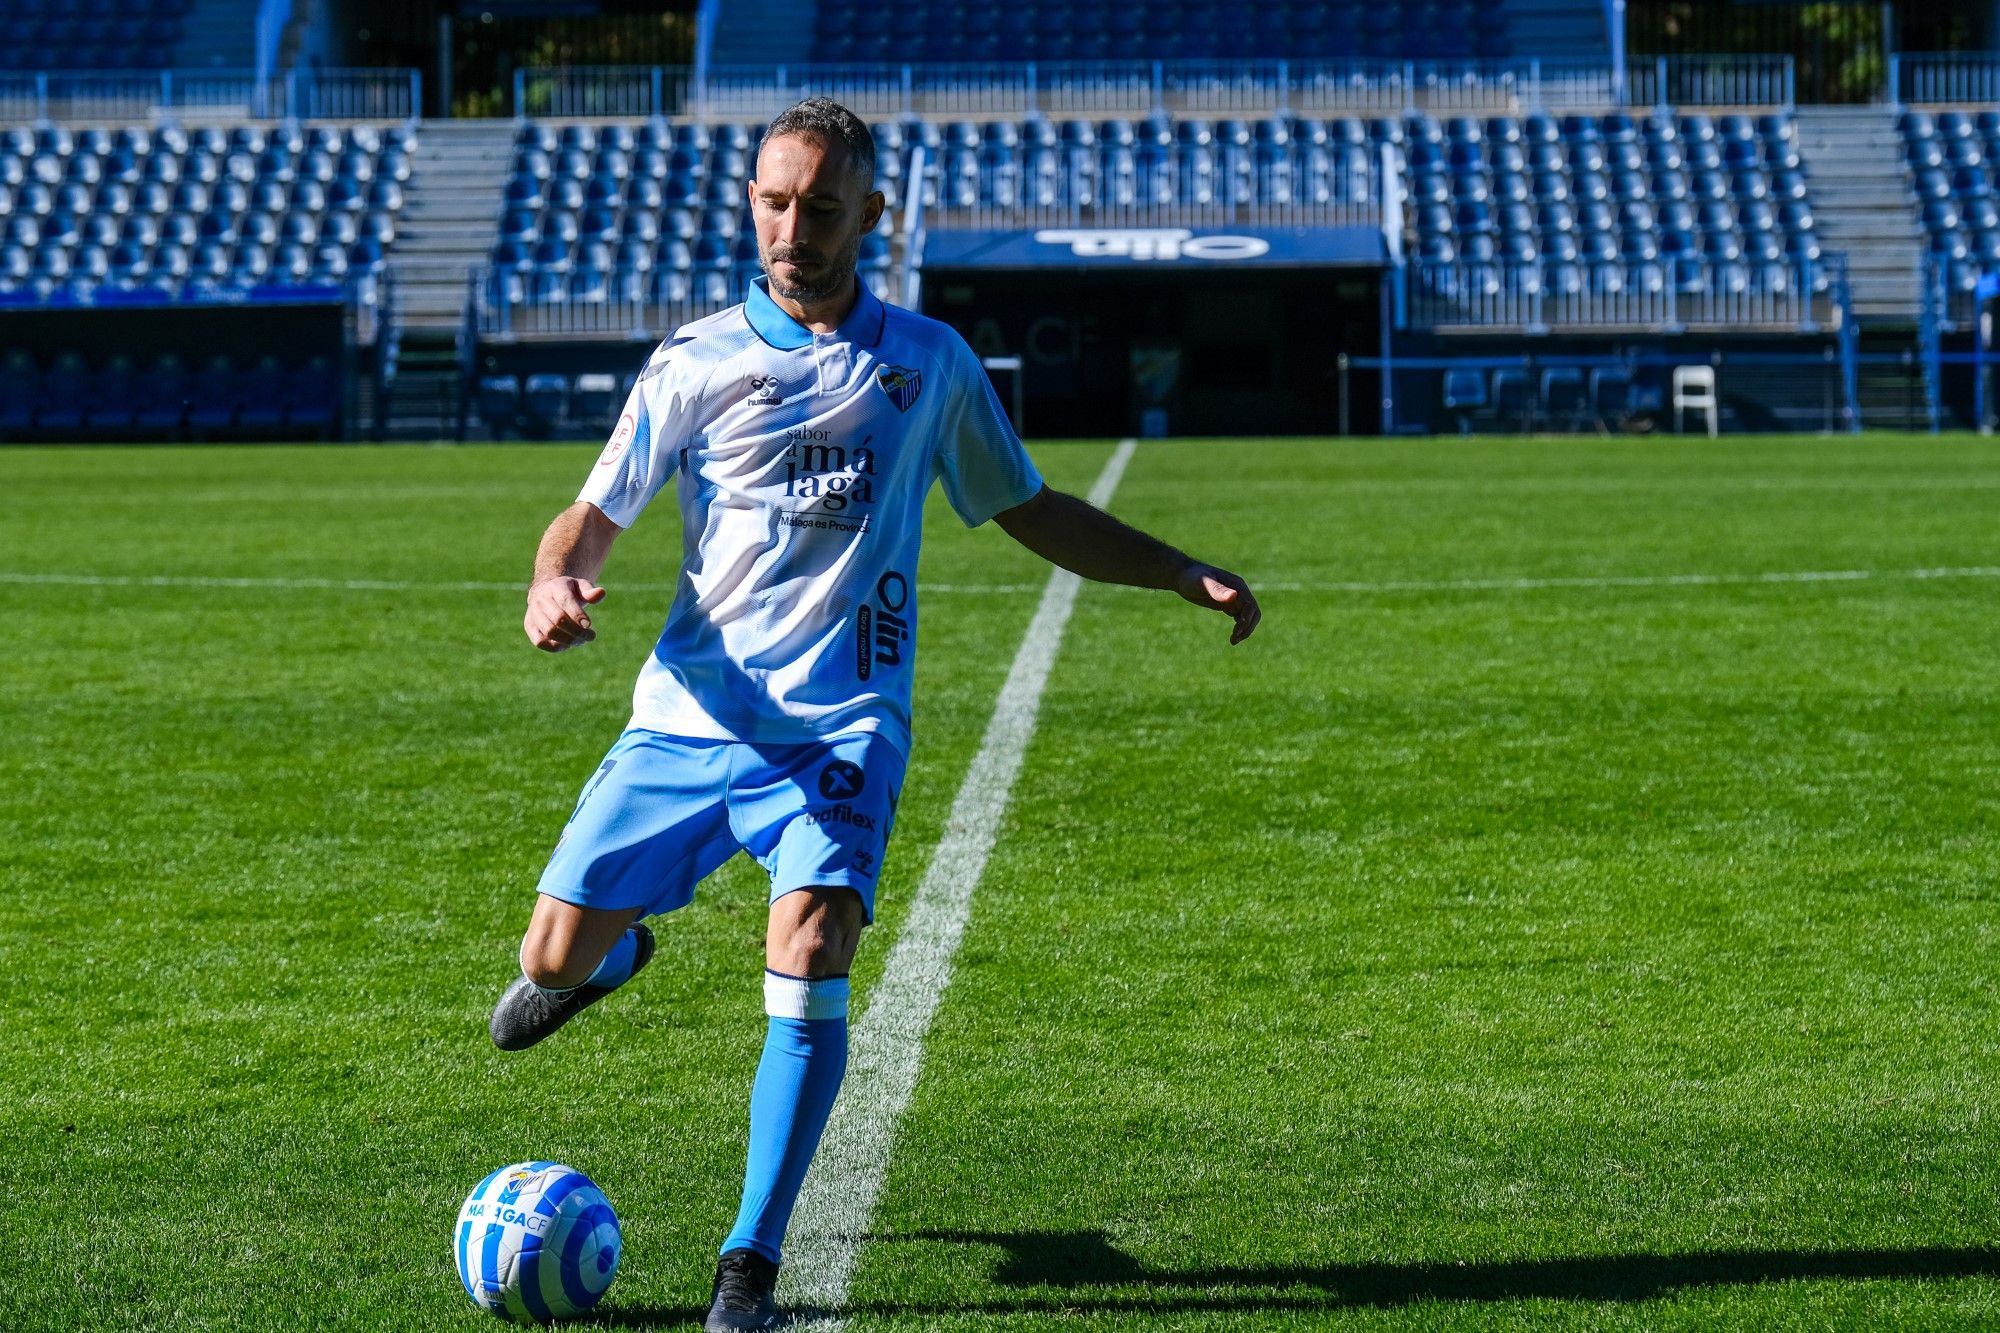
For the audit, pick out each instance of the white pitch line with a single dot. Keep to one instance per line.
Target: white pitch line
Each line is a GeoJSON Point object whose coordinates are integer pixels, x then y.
{"type": "Point", "coordinates": [1637, 580]}
{"type": "Point", "coordinates": [24, 578]}
{"type": "Point", "coordinates": [886, 1052]}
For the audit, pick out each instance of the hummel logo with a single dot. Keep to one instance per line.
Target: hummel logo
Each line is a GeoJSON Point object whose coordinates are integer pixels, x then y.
{"type": "Point", "coordinates": [763, 391]}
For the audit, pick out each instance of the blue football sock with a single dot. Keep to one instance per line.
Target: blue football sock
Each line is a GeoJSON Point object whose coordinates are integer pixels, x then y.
{"type": "Point", "coordinates": [805, 1055]}
{"type": "Point", "coordinates": [616, 969]}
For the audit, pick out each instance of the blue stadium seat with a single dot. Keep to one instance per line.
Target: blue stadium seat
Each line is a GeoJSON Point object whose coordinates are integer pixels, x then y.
{"type": "Point", "coordinates": [161, 395]}
{"type": "Point", "coordinates": [1565, 401]}
{"type": "Point", "coordinates": [1639, 247]}
{"type": "Point", "coordinates": [20, 391]}
{"type": "Point", "coordinates": [1764, 247]}
{"type": "Point", "coordinates": [1513, 399]}
{"type": "Point", "coordinates": [1464, 394]}
{"type": "Point", "coordinates": [63, 392]}
{"type": "Point", "coordinates": [110, 406]}
{"type": "Point", "coordinates": [1611, 392]}
{"type": "Point", "coordinates": [1721, 246]}
{"type": "Point", "coordinates": [542, 401]}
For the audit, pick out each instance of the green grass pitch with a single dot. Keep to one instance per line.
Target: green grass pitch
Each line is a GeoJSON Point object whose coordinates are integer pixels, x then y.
{"type": "Point", "coordinates": [1457, 954]}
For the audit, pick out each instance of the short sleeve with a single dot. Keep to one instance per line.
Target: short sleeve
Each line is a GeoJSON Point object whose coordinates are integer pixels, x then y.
{"type": "Point", "coordinates": [641, 454]}
{"type": "Point", "coordinates": [981, 461]}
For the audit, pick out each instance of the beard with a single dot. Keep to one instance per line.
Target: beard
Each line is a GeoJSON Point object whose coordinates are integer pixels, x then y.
{"type": "Point", "coordinates": [832, 275]}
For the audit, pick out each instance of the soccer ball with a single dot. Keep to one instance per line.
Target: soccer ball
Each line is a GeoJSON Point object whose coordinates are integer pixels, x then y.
{"type": "Point", "coordinates": [536, 1241]}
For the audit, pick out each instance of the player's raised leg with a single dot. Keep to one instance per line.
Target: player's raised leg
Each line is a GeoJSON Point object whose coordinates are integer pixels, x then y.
{"type": "Point", "coordinates": [811, 940]}
{"type": "Point", "coordinates": [651, 823]}
{"type": "Point", "coordinates": [571, 957]}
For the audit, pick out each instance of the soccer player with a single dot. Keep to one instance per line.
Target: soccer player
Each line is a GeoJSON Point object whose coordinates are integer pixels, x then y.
{"type": "Point", "coordinates": [801, 431]}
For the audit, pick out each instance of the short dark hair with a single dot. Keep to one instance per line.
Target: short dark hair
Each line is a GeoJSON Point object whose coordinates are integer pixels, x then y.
{"type": "Point", "coordinates": [827, 122]}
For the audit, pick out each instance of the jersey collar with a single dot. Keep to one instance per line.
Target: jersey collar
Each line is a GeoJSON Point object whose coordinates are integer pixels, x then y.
{"type": "Point", "coordinates": [863, 324]}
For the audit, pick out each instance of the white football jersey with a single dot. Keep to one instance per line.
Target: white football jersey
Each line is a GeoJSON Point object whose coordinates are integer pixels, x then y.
{"type": "Point", "coordinates": [802, 462]}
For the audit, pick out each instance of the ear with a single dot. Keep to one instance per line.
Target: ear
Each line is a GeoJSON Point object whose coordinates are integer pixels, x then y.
{"type": "Point", "coordinates": [871, 210]}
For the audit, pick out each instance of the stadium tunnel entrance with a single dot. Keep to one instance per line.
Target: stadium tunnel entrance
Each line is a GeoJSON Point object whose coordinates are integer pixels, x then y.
{"type": "Point", "coordinates": [1172, 350]}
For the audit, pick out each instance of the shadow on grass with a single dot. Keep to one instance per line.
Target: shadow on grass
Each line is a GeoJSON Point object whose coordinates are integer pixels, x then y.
{"type": "Point", "coordinates": [615, 1315]}
{"type": "Point", "coordinates": [1067, 1266]}
{"type": "Point", "coordinates": [1082, 1272]}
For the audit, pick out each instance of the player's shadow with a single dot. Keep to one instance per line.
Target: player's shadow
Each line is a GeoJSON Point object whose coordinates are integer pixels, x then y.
{"type": "Point", "coordinates": [1064, 1267]}
{"type": "Point", "coordinates": [1083, 1272]}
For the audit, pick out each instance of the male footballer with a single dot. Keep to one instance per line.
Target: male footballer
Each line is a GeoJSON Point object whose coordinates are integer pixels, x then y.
{"type": "Point", "coordinates": [801, 431]}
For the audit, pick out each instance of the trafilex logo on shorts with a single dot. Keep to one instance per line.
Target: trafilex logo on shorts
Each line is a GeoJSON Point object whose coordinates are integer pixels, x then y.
{"type": "Point", "coordinates": [831, 475]}
{"type": "Point", "coordinates": [841, 814]}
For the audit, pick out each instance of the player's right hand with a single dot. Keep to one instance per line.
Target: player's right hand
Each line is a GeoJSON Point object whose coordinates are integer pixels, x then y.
{"type": "Point", "coordinates": [557, 618]}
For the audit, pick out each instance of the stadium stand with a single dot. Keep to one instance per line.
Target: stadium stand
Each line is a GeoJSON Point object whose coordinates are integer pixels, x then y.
{"type": "Point", "coordinates": [1603, 204]}
{"type": "Point", "coordinates": [179, 213]}
{"type": "Point", "coordinates": [1159, 161]}
{"type": "Point", "coordinates": [1482, 172]}
{"type": "Point", "coordinates": [645, 213]}
{"type": "Point", "coordinates": [91, 34]}
{"type": "Point", "coordinates": [1064, 30]}
{"type": "Point", "coordinates": [1951, 162]}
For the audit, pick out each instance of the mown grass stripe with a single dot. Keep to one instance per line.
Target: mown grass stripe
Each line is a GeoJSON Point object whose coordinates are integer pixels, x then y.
{"type": "Point", "coordinates": [1525, 584]}
{"type": "Point", "coordinates": [887, 1050]}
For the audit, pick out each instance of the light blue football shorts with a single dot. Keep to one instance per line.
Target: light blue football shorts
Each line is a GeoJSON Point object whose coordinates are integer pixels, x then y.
{"type": "Point", "coordinates": [662, 813]}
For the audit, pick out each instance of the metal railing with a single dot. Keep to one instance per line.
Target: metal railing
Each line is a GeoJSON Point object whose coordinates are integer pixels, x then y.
{"type": "Point", "coordinates": [1359, 209]}
{"type": "Point", "coordinates": [97, 95]}
{"type": "Point", "coordinates": [1490, 296]}
{"type": "Point", "coordinates": [585, 92]}
{"type": "Point", "coordinates": [492, 317]}
{"type": "Point", "coordinates": [1141, 87]}
{"type": "Point", "coordinates": [1944, 77]}
{"type": "Point", "coordinates": [1712, 80]}
{"type": "Point", "coordinates": [1071, 88]}
{"type": "Point", "coordinates": [495, 318]}
{"type": "Point", "coordinates": [354, 94]}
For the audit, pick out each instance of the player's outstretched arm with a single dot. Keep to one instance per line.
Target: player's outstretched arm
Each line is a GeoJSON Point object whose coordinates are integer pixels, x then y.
{"type": "Point", "coordinates": [564, 584]}
{"type": "Point", "coordinates": [1085, 540]}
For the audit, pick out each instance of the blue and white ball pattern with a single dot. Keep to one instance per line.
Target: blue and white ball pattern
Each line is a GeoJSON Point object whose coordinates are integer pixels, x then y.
{"type": "Point", "coordinates": [536, 1241]}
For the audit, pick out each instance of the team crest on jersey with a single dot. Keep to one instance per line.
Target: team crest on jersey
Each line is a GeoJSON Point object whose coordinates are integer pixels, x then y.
{"type": "Point", "coordinates": [763, 391]}
{"type": "Point", "coordinates": [901, 384]}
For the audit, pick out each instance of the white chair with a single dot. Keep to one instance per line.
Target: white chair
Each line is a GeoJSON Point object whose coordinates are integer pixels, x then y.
{"type": "Point", "coordinates": [1694, 387]}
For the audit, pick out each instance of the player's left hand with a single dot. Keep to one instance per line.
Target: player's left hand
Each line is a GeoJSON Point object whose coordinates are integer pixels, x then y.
{"type": "Point", "coordinates": [1220, 590]}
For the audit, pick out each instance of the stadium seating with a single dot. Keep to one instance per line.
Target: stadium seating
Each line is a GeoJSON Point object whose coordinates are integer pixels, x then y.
{"type": "Point", "coordinates": [90, 34]}
{"type": "Point", "coordinates": [647, 212]}
{"type": "Point", "coordinates": [1586, 204]}
{"type": "Point", "coordinates": [1156, 161]}
{"type": "Point", "coordinates": [158, 398]}
{"type": "Point", "coordinates": [1952, 160]}
{"type": "Point", "coordinates": [191, 212]}
{"type": "Point", "coordinates": [1094, 30]}
{"type": "Point", "coordinates": [1570, 205]}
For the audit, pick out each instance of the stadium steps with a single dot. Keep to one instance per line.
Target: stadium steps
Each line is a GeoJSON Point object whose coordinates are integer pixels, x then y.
{"type": "Point", "coordinates": [766, 32]}
{"type": "Point", "coordinates": [1864, 206]}
{"type": "Point", "coordinates": [1559, 29]}
{"type": "Point", "coordinates": [422, 401]}
{"type": "Point", "coordinates": [218, 34]}
{"type": "Point", "coordinates": [450, 211]}
{"type": "Point", "coordinates": [1891, 396]}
